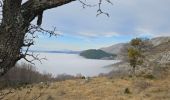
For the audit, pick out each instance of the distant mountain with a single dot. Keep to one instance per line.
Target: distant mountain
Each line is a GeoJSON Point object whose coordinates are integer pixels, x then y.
{"type": "Point", "coordinates": [114, 49]}
{"type": "Point", "coordinates": [57, 51]}
{"type": "Point", "coordinates": [96, 54]}
{"type": "Point", "coordinates": [109, 52]}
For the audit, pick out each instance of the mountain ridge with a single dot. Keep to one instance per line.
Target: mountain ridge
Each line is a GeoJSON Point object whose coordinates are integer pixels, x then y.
{"type": "Point", "coordinates": [117, 48]}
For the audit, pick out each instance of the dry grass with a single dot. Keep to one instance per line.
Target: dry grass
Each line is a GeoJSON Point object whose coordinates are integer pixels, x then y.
{"type": "Point", "coordinates": [100, 88]}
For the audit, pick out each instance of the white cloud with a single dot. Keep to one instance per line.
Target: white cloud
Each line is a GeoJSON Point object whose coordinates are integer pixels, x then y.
{"type": "Point", "coordinates": [128, 19]}
{"type": "Point", "coordinates": [126, 16]}
{"type": "Point", "coordinates": [97, 34]}
{"type": "Point", "coordinates": [88, 34]}
{"type": "Point", "coordinates": [111, 34]}
{"type": "Point", "coordinates": [59, 33]}
{"type": "Point", "coordinates": [140, 32]}
{"type": "Point", "coordinates": [162, 34]}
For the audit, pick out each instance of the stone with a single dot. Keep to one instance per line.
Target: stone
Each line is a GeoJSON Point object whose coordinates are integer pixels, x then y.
{"type": "Point", "coordinates": [1, 60]}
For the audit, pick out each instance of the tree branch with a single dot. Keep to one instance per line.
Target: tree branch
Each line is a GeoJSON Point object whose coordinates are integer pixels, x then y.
{"type": "Point", "coordinates": [84, 4]}
{"type": "Point", "coordinates": [100, 11]}
{"type": "Point", "coordinates": [29, 41]}
{"type": "Point", "coordinates": [31, 8]}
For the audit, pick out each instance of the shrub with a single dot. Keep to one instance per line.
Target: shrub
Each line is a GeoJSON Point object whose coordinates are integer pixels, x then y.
{"type": "Point", "coordinates": [149, 76]}
{"type": "Point", "coordinates": [50, 98]}
{"type": "Point", "coordinates": [142, 85]}
{"type": "Point", "coordinates": [127, 91]}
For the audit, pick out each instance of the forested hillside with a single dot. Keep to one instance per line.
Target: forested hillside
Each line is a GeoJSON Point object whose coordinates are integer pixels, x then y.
{"type": "Point", "coordinates": [97, 54]}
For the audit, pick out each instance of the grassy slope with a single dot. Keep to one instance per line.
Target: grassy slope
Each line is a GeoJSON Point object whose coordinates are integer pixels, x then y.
{"type": "Point", "coordinates": [96, 89]}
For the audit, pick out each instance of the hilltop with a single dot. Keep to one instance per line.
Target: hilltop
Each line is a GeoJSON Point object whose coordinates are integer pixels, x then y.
{"type": "Point", "coordinates": [97, 54]}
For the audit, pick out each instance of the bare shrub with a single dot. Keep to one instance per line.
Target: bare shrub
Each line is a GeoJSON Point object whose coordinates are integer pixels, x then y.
{"type": "Point", "coordinates": [50, 98]}
{"type": "Point", "coordinates": [160, 72]}
{"type": "Point", "coordinates": [149, 76]}
{"type": "Point", "coordinates": [142, 85]}
{"type": "Point", "coordinates": [23, 74]}
{"type": "Point", "coordinates": [63, 77]}
{"type": "Point", "coordinates": [115, 74]}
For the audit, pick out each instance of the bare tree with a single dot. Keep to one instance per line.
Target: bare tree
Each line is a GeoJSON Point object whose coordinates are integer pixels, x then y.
{"type": "Point", "coordinates": [15, 24]}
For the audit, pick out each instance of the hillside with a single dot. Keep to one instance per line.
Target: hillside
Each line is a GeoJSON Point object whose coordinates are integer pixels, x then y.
{"type": "Point", "coordinates": [96, 54]}
{"type": "Point", "coordinates": [117, 48]}
{"type": "Point", "coordinates": [158, 40]}
{"type": "Point", "coordinates": [101, 88]}
{"type": "Point", "coordinates": [114, 49]}
{"type": "Point", "coordinates": [157, 55]}
{"type": "Point", "coordinates": [160, 53]}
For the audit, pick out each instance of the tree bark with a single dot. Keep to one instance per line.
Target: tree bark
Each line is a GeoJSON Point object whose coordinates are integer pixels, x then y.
{"type": "Point", "coordinates": [9, 49]}
{"type": "Point", "coordinates": [15, 24]}
{"type": "Point", "coordinates": [12, 34]}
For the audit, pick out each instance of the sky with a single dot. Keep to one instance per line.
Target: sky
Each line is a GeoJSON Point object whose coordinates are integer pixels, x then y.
{"type": "Point", "coordinates": [80, 29]}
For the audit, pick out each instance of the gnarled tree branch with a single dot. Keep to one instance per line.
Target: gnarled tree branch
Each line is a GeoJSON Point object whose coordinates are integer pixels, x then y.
{"type": "Point", "coordinates": [32, 8]}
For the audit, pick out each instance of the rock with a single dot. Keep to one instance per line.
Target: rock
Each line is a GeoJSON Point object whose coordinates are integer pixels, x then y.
{"type": "Point", "coordinates": [1, 60]}
{"type": "Point", "coordinates": [163, 58]}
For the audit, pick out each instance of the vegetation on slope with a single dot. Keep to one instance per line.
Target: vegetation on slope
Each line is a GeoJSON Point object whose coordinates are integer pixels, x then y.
{"type": "Point", "coordinates": [119, 85]}
{"type": "Point", "coordinates": [96, 54]}
{"type": "Point", "coordinates": [24, 74]}
{"type": "Point", "coordinates": [100, 88]}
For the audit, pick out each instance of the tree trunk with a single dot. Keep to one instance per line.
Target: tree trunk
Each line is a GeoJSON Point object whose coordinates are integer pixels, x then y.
{"type": "Point", "coordinates": [12, 32]}
{"type": "Point", "coordinates": [10, 44]}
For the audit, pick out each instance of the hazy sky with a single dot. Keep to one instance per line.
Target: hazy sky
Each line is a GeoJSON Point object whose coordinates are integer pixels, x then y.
{"type": "Point", "coordinates": [80, 29]}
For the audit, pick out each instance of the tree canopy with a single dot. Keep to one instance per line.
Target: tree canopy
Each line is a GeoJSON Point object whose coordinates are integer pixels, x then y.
{"type": "Point", "coordinates": [135, 53]}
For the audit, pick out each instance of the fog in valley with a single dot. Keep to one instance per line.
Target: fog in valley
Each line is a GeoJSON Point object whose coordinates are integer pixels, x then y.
{"type": "Point", "coordinates": [72, 64]}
